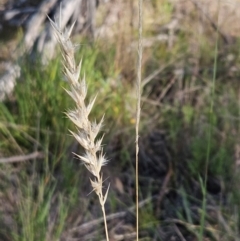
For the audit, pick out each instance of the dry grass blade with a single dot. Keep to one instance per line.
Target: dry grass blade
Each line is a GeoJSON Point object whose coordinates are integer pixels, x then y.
{"type": "Point", "coordinates": [87, 131]}
{"type": "Point", "coordinates": [21, 158]}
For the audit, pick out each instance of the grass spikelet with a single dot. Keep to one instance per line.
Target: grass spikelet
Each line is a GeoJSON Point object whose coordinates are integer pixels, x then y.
{"type": "Point", "coordinates": [87, 131]}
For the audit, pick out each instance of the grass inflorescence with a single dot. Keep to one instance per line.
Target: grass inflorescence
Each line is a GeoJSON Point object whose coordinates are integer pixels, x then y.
{"type": "Point", "coordinates": [87, 131]}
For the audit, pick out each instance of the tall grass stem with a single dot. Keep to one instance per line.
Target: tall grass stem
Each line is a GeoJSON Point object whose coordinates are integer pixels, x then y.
{"type": "Point", "coordinates": [203, 214]}
{"type": "Point", "coordinates": [139, 91]}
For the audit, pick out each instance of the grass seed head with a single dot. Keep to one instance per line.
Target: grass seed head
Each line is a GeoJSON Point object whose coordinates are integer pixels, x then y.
{"type": "Point", "coordinates": [87, 130]}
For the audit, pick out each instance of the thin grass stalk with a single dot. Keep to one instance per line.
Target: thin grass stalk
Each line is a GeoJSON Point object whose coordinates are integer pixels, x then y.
{"type": "Point", "coordinates": [105, 222]}
{"type": "Point", "coordinates": [86, 130]}
{"type": "Point", "coordinates": [204, 188]}
{"type": "Point", "coordinates": [139, 91]}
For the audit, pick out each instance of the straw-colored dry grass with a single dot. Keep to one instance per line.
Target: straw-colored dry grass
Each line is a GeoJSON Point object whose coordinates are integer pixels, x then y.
{"type": "Point", "coordinates": [87, 130]}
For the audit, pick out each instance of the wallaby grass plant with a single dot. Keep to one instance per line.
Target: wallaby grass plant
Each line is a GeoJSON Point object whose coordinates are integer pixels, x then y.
{"type": "Point", "coordinates": [87, 131]}
{"type": "Point", "coordinates": [32, 117]}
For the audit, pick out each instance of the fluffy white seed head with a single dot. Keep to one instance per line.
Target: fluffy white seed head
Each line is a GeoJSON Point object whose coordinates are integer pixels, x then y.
{"type": "Point", "coordinates": [87, 130]}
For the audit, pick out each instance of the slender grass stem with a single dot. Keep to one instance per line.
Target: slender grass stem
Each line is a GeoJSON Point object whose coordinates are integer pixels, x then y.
{"type": "Point", "coordinates": [139, 71]}
{"type": "Point", "coordinates": [105, 222]}
{"type": "Point", "coordinates": [203, 215]}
